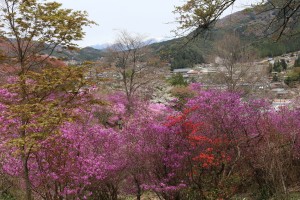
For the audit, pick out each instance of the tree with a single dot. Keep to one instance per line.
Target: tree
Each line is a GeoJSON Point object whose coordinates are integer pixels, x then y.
{"type": "Point", "coordinates": [292, 77]}
{"type": "Point", "coordinates": [297, 62]}
{"type": "Point", "coordinates": [200, 15]}
{"type": "Point", "coordinates": [277, 67]}
{"type": "Point", "coordinates": [84, 160]}
{"type": "Point", "coordinates": [216, 125]}
{"type": "Point", "coordinates": [177, 80]}
{"type": "Point", "coordinates": [236, 143]}
{"type": "Point", "coordinates": [51, 96]}
{"type": "Point", "coordinates": [275, 78]}
{"type": "Point", "coordinates": [29, 32]}
{"type": "Point", "coordinates": [30, 28]}
{"type": "Point", "coordinates": [185, 57]}
{"type": "Point", "coordinates": [236, 68]}
{"type": "Point", "coordinates": [283, 64]}
{"type": "Point", "coordinates": [153, 159]}
{"type": "Point", "coordinates": [271, 156]}
{"type": "Point", "coordinates": [133, 62]}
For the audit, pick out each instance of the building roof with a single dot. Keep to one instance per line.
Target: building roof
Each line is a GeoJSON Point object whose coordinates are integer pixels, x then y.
{"type": "Point", "coordinates": [192, 72]}
{"type": "Point", "coordinates": [182, 70]}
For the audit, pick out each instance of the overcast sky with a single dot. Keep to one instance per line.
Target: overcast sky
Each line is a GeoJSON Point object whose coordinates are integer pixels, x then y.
{"type": "Point", "coordinates": [151, 18]}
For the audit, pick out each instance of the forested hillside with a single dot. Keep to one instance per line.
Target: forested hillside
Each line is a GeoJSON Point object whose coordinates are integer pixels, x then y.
{"type": "Point", "coordinates": [246, 24]}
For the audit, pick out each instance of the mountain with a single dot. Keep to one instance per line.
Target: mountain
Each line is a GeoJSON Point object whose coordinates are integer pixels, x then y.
{"type": "Point", "coordinates": [65, 54]}
{"type": "Point", "coordinates": [79, 55]}
{"type": "Point", "coordinates": [101, 46]}
{"type": "Point", "coordinates": [148, 41]}
{"type": "Point", "coordinates": [251, 27]}
{"type": "Point", "coordinates": [247, 24]}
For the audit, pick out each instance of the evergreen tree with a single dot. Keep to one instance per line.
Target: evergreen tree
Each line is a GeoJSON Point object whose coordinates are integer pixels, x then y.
{"type": "Point", "coordinates": [283, 64]}
{"type": "Point", "coordinates": [297, 62]}
{"type": "Point", "coordinates": [277, 67]}
{"type": "Point", "coordinates": [177, 80]}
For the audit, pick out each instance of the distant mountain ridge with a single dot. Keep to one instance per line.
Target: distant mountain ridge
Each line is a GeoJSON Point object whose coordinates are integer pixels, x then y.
{"type": "Point", "coordinates": [78, 55]}
{"type": "Point", "coordinates": [246, 24]}
{"type": "Point", "coordinates": [148, 41]}
{"type": "Point", "coordinates": [101, 46]}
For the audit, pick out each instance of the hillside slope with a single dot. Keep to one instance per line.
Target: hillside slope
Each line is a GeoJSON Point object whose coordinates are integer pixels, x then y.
{"type": "Point", "coordinates": [79, 55]}
{"type": "Point", "coordinates": [247, 24]}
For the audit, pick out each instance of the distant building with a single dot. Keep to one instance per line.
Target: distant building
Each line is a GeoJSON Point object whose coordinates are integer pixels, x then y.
{"type": "Point", "coordinates": [280, 103]}
{"type": "Point", "coordinates": [72, 62]}
{"type": "Point", "coordinates": [209, 70]}
{"type": "Point", "coordinates": [280, 92]}
{"type": "Point", "coordinates": [181, 71]}
{"type": "Point", "coordinates": [193, 72]}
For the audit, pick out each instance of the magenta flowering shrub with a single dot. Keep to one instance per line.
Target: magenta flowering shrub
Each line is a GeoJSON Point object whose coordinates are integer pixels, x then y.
{"type": "Point", "coordinates": [213, 147]}
{"type": "Point", "coordinates": [83, 155]}
{"type": "Point", "coordinates": [68, 165]}
{"type": "Point", "coordinates": [234, 141]}
{"type": "Point", "coordinates": [155, 159]}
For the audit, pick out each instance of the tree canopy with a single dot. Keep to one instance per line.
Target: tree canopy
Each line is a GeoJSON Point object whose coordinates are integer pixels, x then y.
{"type": "Point", "coordinates": [31, 27]}
{"type": "Point", "coordinates": [41, 91]}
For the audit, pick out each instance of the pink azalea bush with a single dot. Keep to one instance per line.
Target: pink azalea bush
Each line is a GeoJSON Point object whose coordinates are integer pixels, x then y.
{"type": "Point", "coordinates": [209, 149]}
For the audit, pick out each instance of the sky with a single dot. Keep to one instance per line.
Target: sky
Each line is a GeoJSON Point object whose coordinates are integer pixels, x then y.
{"type": "Point", "coordinates": [150, 18]}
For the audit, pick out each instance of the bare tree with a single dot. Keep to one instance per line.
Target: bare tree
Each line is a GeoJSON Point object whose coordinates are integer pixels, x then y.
{"type": "Point", "coordinates": [236, 68]}
{"type": "Point", "coordinates": [135, 63]}
{"type": "Point", "coordinates": [285, 18]}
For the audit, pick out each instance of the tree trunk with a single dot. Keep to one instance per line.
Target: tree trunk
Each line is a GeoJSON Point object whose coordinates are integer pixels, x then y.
{"type": "Point", "coordinates": [24, 154]}
{"type": "Point", "coordinates": [26, 177]}
{"type": "Point", "coordinates": [138, 187]}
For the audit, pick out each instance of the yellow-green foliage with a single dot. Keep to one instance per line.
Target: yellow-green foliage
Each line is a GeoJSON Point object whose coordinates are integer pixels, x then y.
{"type": "Point", "coordinates": [43, 102]}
